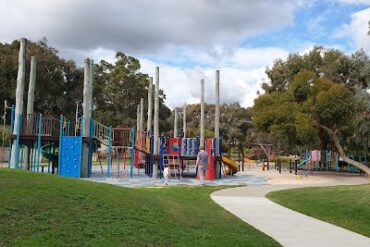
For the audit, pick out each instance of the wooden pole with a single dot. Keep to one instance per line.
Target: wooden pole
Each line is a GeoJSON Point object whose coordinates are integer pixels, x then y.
{"type": "Point", "coordinates": [30, 102]}
{"type": "Point", "coordinates": [202, 112]}
{"type": "Point", "coordinates": [150, 106]}
{"type": "Point", "coordinates": [141, 113]}
{"type": "Point", "coordinates": [184, 121]}
{"type": "Point", "coordinates": [217, 118]}
{"type": "Point", "coordinates": [156, 122]}
{"type": "Point", "coordinates": [19, 102]}
{"type": "Point", "coordinates": [175, 124]}
{"type": "Point", "coordinates": [86, 117]}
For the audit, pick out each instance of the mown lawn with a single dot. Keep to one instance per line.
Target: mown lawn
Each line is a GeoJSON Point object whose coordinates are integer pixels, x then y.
{"type": "Point", "coordinates": [47, 210]}
{"type": "Point", "coordinates": [345, 206]}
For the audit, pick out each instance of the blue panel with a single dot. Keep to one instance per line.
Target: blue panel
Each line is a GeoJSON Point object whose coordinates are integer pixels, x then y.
{"type": "Point", "coordinates": [71, 156]}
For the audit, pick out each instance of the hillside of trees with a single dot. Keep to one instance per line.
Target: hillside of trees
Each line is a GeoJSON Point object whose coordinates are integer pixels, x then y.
{"type": "Point", "coordinates": [117, 89]}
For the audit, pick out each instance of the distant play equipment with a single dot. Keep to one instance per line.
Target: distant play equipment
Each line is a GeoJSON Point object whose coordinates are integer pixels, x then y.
{"type": "Point", "coordinates": [50, 152]}
{"type": "Point", "coordinates": [249, 161]}
{"type": "Point", "coordinates": [326, 160]}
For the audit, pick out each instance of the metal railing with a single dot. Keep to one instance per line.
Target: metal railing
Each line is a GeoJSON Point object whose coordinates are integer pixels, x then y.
{"type": "Point", "coordinates": [101, 132]}
{"type": "Point", "coordinates": [122, 136]}
{"type": "Point", "coordinates": [50, 126]}
{"type": "Point", "coordinates": [30, 125]}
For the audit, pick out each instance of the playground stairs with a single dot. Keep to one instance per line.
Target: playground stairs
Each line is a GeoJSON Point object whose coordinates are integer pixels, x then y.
{"type": "Point", "coordinates": [101, 133]}
{"type": "Point", "coordinates": [173, 164]}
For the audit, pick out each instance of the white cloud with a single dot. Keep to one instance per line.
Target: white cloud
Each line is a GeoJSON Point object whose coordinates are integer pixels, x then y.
{"type": "Point", "coordinates": [254, 57]}
{"type": "Point", "coordinates": [358, 29]}
{"type": "Point", "coordinates": [95, 54]}
{"type": "Point", "coordinates": [188, 39]}
{"type": "Point", "coordinates": [241, 73]}
{"type": "Point", "coordinates": [355, 1]}
{"type": "Point", "coordinates": [141, 26]}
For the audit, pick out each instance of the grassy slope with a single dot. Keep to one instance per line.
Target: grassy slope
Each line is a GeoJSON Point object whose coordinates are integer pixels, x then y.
{"type": "Point", "coordinates": [41, 209]}
{"type": "Point", "coordinates": [345, 206]}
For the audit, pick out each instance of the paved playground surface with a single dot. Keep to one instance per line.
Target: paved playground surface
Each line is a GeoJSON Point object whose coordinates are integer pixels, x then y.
{"type": "Point", "coordinates": [252, 175]}
{"type": "Point", "coordinates": [139, 179]}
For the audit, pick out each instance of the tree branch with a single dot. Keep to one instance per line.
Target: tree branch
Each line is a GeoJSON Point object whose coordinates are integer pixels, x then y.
{"type": "Point", "coordinates": [358, 165]}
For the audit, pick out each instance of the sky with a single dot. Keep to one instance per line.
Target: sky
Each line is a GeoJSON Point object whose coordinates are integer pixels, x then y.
{"type": "Point", "coordinates": [190, 39]}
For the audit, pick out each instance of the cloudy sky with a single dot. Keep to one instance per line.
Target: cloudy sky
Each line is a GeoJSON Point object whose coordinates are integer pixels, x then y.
{"type": "Point", "coordinates": [189, 39]}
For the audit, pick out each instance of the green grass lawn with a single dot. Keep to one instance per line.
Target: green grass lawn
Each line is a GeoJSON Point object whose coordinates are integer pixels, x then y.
{"type": "Point", "coordinates": [47, 210]}
{"type": "Point", "coordinates": [345, 206]}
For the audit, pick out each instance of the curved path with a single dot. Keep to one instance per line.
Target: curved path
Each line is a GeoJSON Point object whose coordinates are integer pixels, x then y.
{"type": "Point", "coordinates": [288, 227]}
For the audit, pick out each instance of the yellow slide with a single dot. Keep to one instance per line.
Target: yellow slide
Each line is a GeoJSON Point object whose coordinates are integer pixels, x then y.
{"type": "Point", "coordinates": [232, 167]}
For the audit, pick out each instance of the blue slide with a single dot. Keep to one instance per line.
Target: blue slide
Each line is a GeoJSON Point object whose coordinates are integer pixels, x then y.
{"type": "Point", "coordinates": [302, 163]}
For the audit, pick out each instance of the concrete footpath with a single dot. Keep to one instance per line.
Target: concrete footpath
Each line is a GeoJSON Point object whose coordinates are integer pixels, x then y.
{"type": "Point", "coordinates": [286, 226]}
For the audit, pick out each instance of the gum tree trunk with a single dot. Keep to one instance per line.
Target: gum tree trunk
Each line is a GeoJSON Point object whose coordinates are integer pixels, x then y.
{"type": "Point", "coordinates": [333, 135]}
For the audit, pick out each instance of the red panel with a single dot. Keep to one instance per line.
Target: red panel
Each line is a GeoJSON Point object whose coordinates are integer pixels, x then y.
{"type": "Point", "coordinates": [209, 144]}
{"type": "Point", "coordinates": [136, 159]}
{"type": "Point", "coordinates": [210, 172]}
{"type": "Point", "coordinates": [174, 145]}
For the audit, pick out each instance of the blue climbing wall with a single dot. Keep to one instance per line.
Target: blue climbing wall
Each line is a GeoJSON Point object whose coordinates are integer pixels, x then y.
{"type": "Point", "coordinates": [71, 156]}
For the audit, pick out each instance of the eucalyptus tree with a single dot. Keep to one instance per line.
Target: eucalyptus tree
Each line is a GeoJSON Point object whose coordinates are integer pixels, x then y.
{"type": "Point", "coordinates": [312, 104]}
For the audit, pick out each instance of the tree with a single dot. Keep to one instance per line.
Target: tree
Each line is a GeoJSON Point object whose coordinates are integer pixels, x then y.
{"type": "Point", "coordinates": [309, 105]}
{"type": "Point", "coordinates": [118, 89]}
{"type": "Point", "coordinates": [235, 122]}
{"type": "Point", "coordinates": [336, 111]}
{"type": "Point", "coordinates": [58, 82]}
{"type": "Point", "coordinates": [329, 63]}
{"type": "Point", "coordinates": [360, 140]}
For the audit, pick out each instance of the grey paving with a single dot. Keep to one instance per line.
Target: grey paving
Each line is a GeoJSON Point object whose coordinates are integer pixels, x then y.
{"type": "Point", "coordinates": [288, 227]}
{"type": "Point", "coordinates": [141, 180]}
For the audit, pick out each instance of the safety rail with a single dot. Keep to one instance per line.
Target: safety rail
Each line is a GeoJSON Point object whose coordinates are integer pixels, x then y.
{"type": "Point", "coordinates": [30, 125]}
{"type": "Point", "coordinates": [50, 126]}
{"type": "Point", "coordinates": [101, 132]}
{"type": "Point", "coordinates": [122, 136]}
{"type": "Point", "coordinates": [190, 147]}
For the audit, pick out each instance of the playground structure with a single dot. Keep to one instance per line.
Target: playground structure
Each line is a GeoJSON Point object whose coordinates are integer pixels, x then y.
{"type": "Point", "coordinates": [178, 153]}
{"type": "Point", "coordinates": [327, 160]}
{"type": "Point", "coordinates": [69, 146]}
{"type": "Point", "coordinates": [58, 140]}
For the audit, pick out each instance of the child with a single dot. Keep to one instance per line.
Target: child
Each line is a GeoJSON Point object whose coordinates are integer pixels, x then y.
{"type": "Point", "coordinates": [166, 175]}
